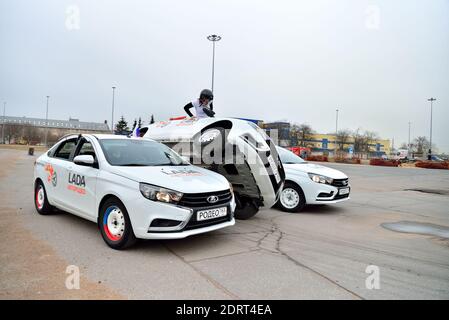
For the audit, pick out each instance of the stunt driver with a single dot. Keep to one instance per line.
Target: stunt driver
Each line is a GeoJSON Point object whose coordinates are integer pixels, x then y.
{"type": "Point", "coordinates": [203, 106]}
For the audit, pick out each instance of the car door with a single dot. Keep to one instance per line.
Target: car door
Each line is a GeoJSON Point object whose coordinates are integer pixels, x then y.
{"type": "Point", "coordinates": [82, 181]}
{"type": "Point", "coordinates": [57, 171]}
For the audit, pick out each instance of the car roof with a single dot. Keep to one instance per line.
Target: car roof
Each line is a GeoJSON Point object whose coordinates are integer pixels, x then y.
{"type": "Point", "coordinates": [104, 136]}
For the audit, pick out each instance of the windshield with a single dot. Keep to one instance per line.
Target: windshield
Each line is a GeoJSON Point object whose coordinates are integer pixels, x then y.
{"type": "Point", "coordinates": [288, 157]}
{"type": "Point", "coordinates": [134, 152]}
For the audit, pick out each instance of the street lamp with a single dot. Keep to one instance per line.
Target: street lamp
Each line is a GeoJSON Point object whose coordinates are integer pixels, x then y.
{"type": "Point", "coordinates": [112, 119]}
{"type": "Point", "coordinates": [409, 124]}
{"type": "Point", "coordinates": [429, 157]}
{"type": "Point", "coordinates": [214, 38]}
{"type": "Point", "coordinates": [4, 122]}
{"type": "Point", "coordinates": [46, 123]}
{"type": "Point", "coordinates": [336, 130]}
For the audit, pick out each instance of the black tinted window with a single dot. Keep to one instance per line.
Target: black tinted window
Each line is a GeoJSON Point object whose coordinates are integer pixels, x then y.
{"type": "Point", "coordinates": [65, 149]}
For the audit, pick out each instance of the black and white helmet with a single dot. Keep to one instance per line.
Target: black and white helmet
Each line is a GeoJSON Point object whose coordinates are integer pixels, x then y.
{"type": "Point", "coordinates": [207, 94]}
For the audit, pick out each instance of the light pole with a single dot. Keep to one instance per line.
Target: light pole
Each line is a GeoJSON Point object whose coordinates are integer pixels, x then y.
{"type": "Point", "coordinates": [4, 122]}
{"type": "Point", "coordinates": [112, 118]}
{"type": "Point", "coordinates": [336, 130]}
{"type": "Point", "coordinates": [409, 124]}
{"type": "Point", "coordinates": [214, 38]}
{"type": "Point", "coordinates": [46, 123]}
{"type": "Point", "coordinates": [429, 157]}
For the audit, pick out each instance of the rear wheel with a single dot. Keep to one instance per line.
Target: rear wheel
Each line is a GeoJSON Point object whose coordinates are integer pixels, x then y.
{"type": "Point", "coordinates": [292, 198]}
{"type": "Point", "coordinates": [245, 208]}
{"type": "Point", "coordinates": [115, 226]}
{"type": "Point", "coordinates": [40, 199]}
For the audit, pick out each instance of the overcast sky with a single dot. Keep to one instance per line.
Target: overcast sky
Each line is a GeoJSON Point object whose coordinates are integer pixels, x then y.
{"type": "Point", "coordinates": [376, 61]}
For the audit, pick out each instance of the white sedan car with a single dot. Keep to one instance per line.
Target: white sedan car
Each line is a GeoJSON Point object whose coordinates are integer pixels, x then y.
{"type": "Point", "coordinates": [132, 188]}
{"type": "Point", "coordinates": [307, 183]}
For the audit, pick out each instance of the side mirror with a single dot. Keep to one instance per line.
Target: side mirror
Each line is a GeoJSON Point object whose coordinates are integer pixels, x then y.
{"type": "Point", "coordinates": [85, 160]}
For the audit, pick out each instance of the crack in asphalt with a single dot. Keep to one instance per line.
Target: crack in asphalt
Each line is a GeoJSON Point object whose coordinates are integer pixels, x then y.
{"type": "Point", "coordinates": [277, 249]}
{"type": "Point", "coordinates": [214, 283]}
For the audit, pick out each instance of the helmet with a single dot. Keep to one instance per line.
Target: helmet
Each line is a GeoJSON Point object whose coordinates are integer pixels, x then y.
{"type": "Point", "coordinates": [206, 93]}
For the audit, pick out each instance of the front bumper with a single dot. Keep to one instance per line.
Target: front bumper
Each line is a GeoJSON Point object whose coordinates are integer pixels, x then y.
{"type": "Point", "coordinates": [325, 194]}
{"type": "Point", "coordinates": [143, 212]}
{"type": "Point", "coordinates": [186, 233]}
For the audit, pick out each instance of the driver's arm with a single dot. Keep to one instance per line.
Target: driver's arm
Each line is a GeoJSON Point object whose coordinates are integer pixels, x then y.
{"type": "Point", "coordinates": [187, 108]}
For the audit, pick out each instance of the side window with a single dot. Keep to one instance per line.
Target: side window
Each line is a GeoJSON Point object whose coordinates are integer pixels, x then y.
{"type": "Point", "coordinates": [86, 149]}
{"type": "Point", "coordinates": [65, 149]}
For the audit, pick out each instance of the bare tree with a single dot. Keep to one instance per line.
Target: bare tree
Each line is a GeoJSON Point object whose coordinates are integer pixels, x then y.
{"type": "Point", "coordinates": [304, 133]}
{"type": "Point", "coordinates": [342, 138]}
{"type": "Point", "coordinates": [420, 145]}
{"type": "Point", "coordinates": [363, 140]}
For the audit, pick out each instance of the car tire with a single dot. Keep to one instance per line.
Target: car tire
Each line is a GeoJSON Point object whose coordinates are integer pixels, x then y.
{"type": "Point", "coordinates": [115, 225]}
{"type": "Point", "coordinates": [41, 203]}
{"type": "Point", "coordinates": [292, 198]}
{"type": "Point", "coordinates": [245, 208]}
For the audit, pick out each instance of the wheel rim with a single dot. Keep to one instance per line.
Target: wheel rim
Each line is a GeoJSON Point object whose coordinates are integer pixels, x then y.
{"type": "Point", "coordinates": [40, 197]}
{"type": "Point", "coordinates": [290, 198]}
{"type": "Point", "coordinates": [209, 135]}
{"type": "Point", "coordinates": [114, 223]}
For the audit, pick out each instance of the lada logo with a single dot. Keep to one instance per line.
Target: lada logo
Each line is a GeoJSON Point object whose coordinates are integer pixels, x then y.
{"type": "Point", "coordinates": [77, 180]}
{"type": "Point", "coordinates": [212, 199]}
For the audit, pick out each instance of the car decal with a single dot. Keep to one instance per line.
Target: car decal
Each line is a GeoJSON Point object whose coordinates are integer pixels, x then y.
{"type": "Point", "coordinates": [77, 183]}
{"type": "Point", "coordinates": [181, 172]}
{"type": "Point", "coordinates": [51, 175]}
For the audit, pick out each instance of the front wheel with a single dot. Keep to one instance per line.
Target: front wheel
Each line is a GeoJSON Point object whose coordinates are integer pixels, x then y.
{"type": "Point", "coordinates": [292, 198]}
{"type": "Point", "coordinates": [115, 226]}
{"type": "Point", "coordinates": [245, 208]}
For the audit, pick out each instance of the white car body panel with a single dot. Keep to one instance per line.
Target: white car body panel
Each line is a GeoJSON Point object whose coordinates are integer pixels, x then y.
{"type": "Point", "coordinates": [123, 183]}
{"type": "Point", "coordinates": [185, 130]}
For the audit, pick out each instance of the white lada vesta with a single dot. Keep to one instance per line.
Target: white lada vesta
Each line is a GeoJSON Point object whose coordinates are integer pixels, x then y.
{"type": "Point", "coordinates": [132, 188]}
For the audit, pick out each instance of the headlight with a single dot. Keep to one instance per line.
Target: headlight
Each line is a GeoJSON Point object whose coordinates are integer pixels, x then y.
{"type": "Point", "coordinates": [231, 188]}
{"type": "Point", "coordinates": [320, 179]}
{"type": "Point", "coordinates": [156, 193]}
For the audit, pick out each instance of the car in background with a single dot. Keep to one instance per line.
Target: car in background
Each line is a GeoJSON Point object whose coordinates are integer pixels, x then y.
{"type": "Point", "coordinates": [132, 188]}
{"type": "Point", "coordinates": [308, 183]}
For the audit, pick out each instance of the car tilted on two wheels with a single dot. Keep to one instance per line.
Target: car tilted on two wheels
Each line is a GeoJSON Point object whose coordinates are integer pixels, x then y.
{"type": "Point", "coordinates": [132, 188]}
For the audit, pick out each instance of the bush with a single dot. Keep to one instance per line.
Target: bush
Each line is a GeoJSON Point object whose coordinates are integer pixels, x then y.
{"type": "Point", "coordinates": [382, 162]}
{"type": "Point", "coordinates": [432, 165]}
{"type": "Point", "coordinates": [317, 158]}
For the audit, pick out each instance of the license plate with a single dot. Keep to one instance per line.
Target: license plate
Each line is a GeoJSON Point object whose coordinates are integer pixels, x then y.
{"type": "Point", "coordinates": [211, 214]}
{"type": "Point", "coordinates": [274, 168]}
{"type": "Point", "coordinates": [343, 191]}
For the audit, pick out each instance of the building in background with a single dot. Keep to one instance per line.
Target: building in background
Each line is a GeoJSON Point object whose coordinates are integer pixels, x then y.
{"type": "Point", "coordinates": [325, 144]}
{"type": "Point", "coordinates": [282, 129]}
{"type": "Point", "coordinates": [24, 130]}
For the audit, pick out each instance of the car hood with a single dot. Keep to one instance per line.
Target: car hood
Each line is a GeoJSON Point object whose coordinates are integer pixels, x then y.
{"type": "Point", "coordinates": [185, 179]}
{"type": "Point", "coordinates": [316, 168]}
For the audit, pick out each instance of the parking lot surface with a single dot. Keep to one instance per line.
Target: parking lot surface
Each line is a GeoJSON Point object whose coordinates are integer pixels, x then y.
{"type": "Point", "coordinates": [320, 253]}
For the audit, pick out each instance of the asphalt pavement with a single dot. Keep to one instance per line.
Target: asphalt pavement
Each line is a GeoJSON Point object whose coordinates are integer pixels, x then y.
{"type": "Point", "coordinates": [320, 253]}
